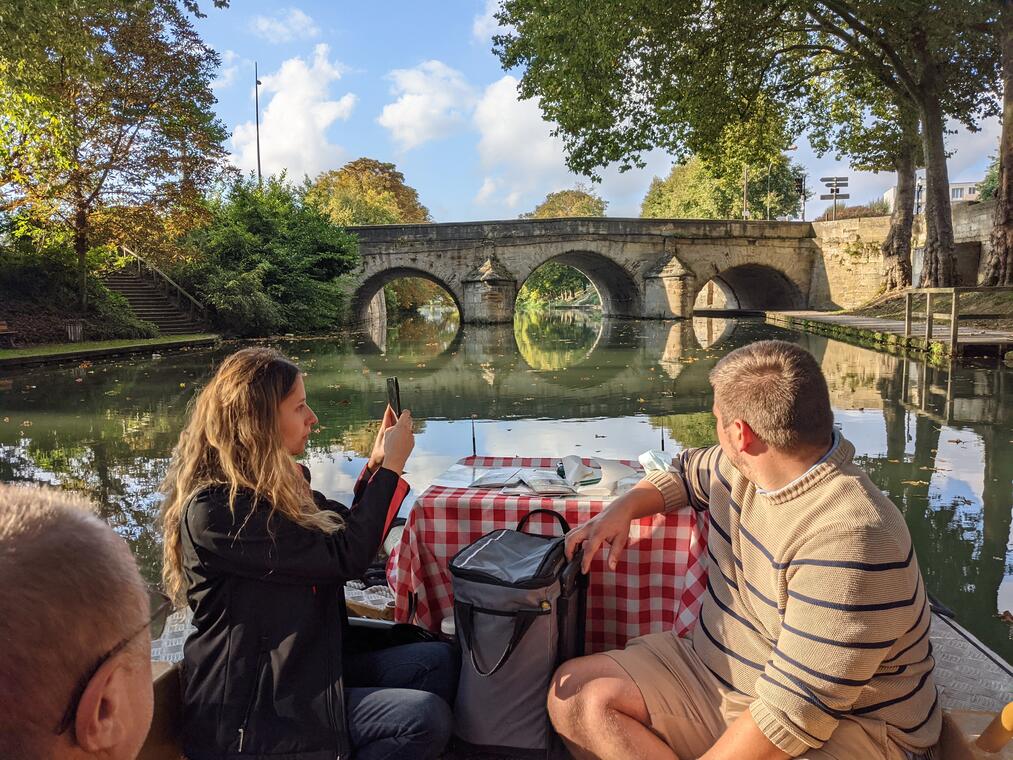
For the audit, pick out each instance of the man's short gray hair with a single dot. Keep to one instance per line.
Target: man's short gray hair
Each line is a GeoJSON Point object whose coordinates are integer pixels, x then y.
{"type": "Point", "coordinates": [779, 390]}
{"type": "Point", "coordinates": [69, 592]}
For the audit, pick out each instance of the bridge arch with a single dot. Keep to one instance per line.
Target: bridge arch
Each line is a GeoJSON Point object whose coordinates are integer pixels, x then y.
{"type": "Point", "coordinates": [368, 289]}
{"type": "Point", "coordinates": [618, 291]}
{"type": "Point", "coordinates": [753, 287]}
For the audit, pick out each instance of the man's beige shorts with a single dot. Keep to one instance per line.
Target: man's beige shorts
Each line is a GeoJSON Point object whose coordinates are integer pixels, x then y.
{"type": "Point", "coordinates": [690, 709]}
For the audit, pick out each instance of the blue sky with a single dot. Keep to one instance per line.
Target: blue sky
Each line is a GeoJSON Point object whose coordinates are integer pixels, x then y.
{"type": "Point", "coordinates": [416, 84]}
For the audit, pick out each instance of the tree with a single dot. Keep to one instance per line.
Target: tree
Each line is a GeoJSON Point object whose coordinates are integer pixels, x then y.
{"type": "Point", "coordinates": [699, 189]}
{"type": "Point", "coordinates": [988, 188]}
{"type": "Point", "coordinates": [621, 77]}
{"type": "Point", "coordinates": [580, 201]}
{"type": "Point", "coordinates": [366, 191]}
{"type": "Point", "coordinates": [135, 127]}
{"type": "Point", "coordinates": [852, 113]}
{"type": "Point", "coordinates": [553, 280]}
{"type": "Point", "coordinates": [268, 261]}
{"type": "Point", "coordinates": [999, 265]}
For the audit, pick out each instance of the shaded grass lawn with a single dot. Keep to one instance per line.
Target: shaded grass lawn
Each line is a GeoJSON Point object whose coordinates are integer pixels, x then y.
{"type": "Point", "coordinates": [56, 349]}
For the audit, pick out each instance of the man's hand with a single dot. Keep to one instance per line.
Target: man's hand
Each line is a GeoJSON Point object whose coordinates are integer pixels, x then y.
{"type": "Point", "coordinates": [612, 525]}
{"type": "Point", "coordinates": [376, 456]}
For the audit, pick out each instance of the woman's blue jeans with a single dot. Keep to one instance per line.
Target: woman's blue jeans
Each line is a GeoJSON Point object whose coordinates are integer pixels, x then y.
{"type": "Point", "coordinates": [398, 701]}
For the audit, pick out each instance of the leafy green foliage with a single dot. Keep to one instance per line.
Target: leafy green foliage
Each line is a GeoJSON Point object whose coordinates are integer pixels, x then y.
{"type": "Point", "coordinates": [988, 188]}
{"type": "Point", "coordinates": [580, 201]}
{"type": "Point", "coordinates": [712, 189]}
{"type": "Point", "coordinates": [269, 262]}
{"type": "Point", "coordinates": [38, 277]}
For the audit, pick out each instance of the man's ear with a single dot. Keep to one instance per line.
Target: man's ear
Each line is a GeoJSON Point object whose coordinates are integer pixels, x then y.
{"type": "Point", "coordinates": [745, 435]}
{"type": "Point", "coordinates": [103, 714]}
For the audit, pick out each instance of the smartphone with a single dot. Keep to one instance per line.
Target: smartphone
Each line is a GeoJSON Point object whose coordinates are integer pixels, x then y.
{"type": "Point", "coordinates": [394, 395]}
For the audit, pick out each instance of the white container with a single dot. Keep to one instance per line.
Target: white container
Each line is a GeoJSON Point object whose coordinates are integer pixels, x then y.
{"type": "Point", "coordinates": [448, 626]}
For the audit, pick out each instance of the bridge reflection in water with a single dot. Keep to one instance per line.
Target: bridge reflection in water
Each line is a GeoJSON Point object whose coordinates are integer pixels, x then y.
{"type": "Point", "coordinates": [938, 442]}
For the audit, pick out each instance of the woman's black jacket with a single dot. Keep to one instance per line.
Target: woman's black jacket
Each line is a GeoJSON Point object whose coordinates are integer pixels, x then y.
{"type": "Point", "coordinates": [262, 672]}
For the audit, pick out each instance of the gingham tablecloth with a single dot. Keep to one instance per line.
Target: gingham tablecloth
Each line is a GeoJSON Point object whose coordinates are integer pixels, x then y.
{"type": "Point", "coordinates": [657, 586]}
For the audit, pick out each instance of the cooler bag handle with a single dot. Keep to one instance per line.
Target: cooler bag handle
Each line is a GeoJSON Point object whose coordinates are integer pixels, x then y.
{"type": "Point", "coordinates": [522, 622]}
{"type": "Point", "coordinates": [559, 518]}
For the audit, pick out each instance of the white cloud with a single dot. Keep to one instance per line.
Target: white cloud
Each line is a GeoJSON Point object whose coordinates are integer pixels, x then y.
{"type": "Point", "coordinates": [485, 25]}
{"type": "Point", "coordinates": [525, 162]}
{"type": "Point", "coordinates": [293, 128]}
{"type": "Point", "coordinates": [485, 192]}
{"type": "Point", "coordinates": [432, 101]}
{"type": "Point", "coordinates": [285, 26]}
{"type": "Point", "coordinates": [227, 76]}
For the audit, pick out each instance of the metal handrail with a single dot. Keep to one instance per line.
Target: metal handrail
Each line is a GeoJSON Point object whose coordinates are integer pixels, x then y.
{"type": "Point", "coordinates": [954, 293]}
{"type": "Point", "coordinates": [201, 307]}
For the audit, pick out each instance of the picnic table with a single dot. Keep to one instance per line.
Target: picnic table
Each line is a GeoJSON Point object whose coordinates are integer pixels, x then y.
{"type": "Point", "coordinates": [657, 586]}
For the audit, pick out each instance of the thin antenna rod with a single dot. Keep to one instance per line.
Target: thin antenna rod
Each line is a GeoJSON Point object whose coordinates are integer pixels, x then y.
{"type": "Point", "coordinates": [256, 98]}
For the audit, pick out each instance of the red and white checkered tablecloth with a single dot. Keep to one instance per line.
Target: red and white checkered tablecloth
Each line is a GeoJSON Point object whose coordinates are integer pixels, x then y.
{"type": "Point", "coordinates": [657, 586]}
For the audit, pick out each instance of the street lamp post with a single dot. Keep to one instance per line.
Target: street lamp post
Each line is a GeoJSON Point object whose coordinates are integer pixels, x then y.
{"type": "Point", "coordinates": [256, 100]}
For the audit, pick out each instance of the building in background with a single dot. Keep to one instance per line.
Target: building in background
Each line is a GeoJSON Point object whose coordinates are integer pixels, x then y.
{"type": "Point", "coordinates": [960, 192]}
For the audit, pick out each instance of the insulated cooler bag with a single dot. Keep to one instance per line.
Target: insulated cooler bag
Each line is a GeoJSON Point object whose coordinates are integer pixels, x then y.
{"type": "Point", "coordinates": [519, 609]}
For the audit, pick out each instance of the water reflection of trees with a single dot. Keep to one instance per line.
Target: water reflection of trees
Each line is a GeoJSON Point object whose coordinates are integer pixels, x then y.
{"type": "Point", "coordinates": [556, 340]}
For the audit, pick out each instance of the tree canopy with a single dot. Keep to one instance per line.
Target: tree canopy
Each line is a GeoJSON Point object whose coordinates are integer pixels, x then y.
{"type": "Point", "coordinates": [133, 128]}
{"type": "Point", "coordinates": [367, 191]}
{"type": "Point", "coordinates": [701, 189]}
{"type": "Point", "coordinates": [621, 77]}
{"type": "Point", "coordinates": [269, 262]}
{"type": "Point", "coordinates": [580, 201]}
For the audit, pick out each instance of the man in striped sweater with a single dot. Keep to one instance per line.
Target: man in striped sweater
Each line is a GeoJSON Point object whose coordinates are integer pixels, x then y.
{"type": "Point", "coordinates": [813, 634]}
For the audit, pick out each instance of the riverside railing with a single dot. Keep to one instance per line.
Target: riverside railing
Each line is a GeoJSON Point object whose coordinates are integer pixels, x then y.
{"type": "Point", "coordinates": [930, 294]}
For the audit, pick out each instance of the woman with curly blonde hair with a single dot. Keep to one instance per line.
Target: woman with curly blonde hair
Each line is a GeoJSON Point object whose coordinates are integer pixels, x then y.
{"type": "Point", "coordinates": [262, 559]}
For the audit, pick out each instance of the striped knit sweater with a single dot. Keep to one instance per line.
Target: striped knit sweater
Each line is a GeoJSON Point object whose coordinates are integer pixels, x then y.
{"type": "Point", "coordinates": [815, 604]}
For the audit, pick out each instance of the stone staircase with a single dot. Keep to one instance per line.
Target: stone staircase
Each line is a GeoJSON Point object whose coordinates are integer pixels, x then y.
{"type": "Point", "coordinates": [151, 304]}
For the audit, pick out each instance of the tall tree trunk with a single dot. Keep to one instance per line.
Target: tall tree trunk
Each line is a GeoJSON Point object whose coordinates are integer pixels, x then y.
{"type": "Point", "coordinates": [999, 264]}
{"type": "Point", "coordinates": [939, 269]}
{"type": "Point", "coordinates": [81, 249]}
{"type": "Point", "coordinates": [897, 246]}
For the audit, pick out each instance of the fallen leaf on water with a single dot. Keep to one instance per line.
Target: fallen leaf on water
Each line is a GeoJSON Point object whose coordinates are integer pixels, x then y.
{"type": "Point", "coordinates": [915, 482]}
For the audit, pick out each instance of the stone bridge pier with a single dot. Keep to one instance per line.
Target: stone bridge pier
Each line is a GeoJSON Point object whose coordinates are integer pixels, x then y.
{"type": "Point", "coordinates": [641, 268]}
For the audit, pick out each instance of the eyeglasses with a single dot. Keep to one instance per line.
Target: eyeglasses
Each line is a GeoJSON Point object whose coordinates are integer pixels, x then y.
{"type": "Point", "coordinates": [161, 607]}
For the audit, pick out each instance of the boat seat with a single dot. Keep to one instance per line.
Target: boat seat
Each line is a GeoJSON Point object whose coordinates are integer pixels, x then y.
{"type": "Point", "coordinates": [164, 736]}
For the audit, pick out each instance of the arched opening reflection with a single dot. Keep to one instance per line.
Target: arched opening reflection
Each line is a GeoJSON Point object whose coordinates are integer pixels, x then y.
{"type": "Point", "coordinates": [558, 339]}
{"type": "Point", "coordinates": [410, 308]}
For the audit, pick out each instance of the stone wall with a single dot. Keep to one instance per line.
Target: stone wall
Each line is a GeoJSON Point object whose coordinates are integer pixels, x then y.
{"type": "Point", "coordinates": [850, 271]}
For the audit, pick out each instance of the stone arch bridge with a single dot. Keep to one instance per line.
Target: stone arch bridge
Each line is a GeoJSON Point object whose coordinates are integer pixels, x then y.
{"type": "Point", "coordinates": [642, 268]}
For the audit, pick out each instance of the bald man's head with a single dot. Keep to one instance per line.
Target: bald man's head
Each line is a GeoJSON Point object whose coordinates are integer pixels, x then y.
{"type": "Point", "coordinates": [69, 592]}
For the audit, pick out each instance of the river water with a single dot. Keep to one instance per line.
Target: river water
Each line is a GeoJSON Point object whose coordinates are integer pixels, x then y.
{"type": "Point", "coordinates": [940, 444]}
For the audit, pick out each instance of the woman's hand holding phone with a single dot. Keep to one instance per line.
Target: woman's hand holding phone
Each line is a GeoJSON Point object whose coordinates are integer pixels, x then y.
{"type": "Point", "coordinates": [376, 456]}
{"type": "Point", "coordinates": [398, 442]}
